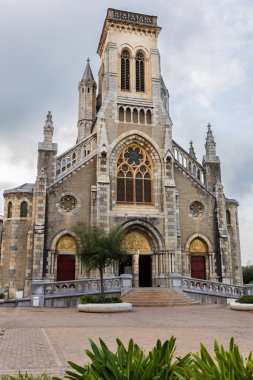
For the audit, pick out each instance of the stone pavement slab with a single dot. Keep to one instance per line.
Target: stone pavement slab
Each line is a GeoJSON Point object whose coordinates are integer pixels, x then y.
{"type": "Point", "coordinates": [43, 340]}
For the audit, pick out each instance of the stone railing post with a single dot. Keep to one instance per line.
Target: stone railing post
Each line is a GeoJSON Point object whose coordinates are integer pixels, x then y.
{"type": "Point", "coordinates": [38, 296]}
{"type": "Point", "coordinates": [248, 289]}
{"type": "Point", "coordinates": [125, 283]}
{"type": "Point", "coordinates": [175, 281]}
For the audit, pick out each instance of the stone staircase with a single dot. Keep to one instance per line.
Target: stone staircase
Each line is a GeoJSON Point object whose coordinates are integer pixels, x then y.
{"type": "Point", "coordinates": [157, 297]}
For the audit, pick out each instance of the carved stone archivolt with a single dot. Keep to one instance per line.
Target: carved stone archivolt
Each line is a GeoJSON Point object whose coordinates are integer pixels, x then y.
{"type": "Point", "coordinates": [66, 243]}
{"type": "Point", "coordinates": [136, 242]}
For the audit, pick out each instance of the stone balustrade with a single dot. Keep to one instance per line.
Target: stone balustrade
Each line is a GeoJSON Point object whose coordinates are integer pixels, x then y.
{"type": "Point", "coordinates": [188, 163]}
{"type": "Point", "coordinates": [212, 287]}
{"type": "Point", "coordinates": [75, 156]}
{"type": "Point", "coordinates": [81, 286]}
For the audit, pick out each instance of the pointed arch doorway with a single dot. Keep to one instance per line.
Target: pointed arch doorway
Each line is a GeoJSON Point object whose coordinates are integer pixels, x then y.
{"type": "Point", "coordinates": [198, 259]}
{"type": "Point", "coordinates": [66, 261]}
{"type": "Point", "coordinates": [137, 244]}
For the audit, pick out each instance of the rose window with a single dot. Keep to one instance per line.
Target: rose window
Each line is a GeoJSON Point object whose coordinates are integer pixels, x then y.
{"type": "Point", "coordinates": [68, 203]}
{"type": "Point", "coordinates": [196, 208]}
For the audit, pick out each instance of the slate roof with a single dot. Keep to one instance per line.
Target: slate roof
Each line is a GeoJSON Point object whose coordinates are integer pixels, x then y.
{"type": "Point", "coordinates": [25, 188]}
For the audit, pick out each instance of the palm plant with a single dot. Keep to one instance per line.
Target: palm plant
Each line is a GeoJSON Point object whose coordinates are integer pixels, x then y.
{"type": "Point", "coordinates": [98, 248]}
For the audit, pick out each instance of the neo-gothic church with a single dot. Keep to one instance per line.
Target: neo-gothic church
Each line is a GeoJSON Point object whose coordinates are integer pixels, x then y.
{"type": "Point", "coordinates": [126, 170]}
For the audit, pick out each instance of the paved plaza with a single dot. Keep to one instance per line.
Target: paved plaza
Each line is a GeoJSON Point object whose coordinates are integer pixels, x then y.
{"type": "Point", "coordinates": [43, 340]}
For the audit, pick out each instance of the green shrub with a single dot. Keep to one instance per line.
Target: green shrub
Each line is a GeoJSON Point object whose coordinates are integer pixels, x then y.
{"type": "Point", "coordinates": [2, 296]}
{"type": "Point", "coordinates": [88, 298]}
{"type": "Point", "coordinates": [245, 299]}
{"type": "Point", "coordinates": [226, 365]}
{"type": "Point", "coordinates": [132, 363]}
{"type": "Point", "coordinates": [115, 300]}
{"type": "Point", "coordinates": [25, 376]}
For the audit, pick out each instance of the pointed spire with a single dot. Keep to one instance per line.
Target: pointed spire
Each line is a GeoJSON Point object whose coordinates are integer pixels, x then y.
{"type": "Point", "coordinates": [191, 150]}
{"type": "Point", "coordinates": [48, 128]}
{"type": "Point", "coordinates": [210, 144]}
{"type": "Point", "coordinates": [88, 78]}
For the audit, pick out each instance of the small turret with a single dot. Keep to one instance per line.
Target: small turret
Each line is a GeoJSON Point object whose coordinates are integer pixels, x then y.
{"type": "Point", "coordinates": [191, 151]}
{"type": "Point", "coordinates": [48, 129]}
{"type": "Point", "coordinates": [210, 145]}
{"type": "Point", "coordinates": [211, 162]}
{"type": "Point", "coordinates": [87, 103]}
{"type": "Point", "coordinates": [47, 151]}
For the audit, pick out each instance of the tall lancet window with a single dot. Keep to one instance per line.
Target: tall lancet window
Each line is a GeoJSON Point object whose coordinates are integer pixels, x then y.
{"type": "Point", "coordinates": [140, 72]}
{"type": "Point", "coordinates": [9, 210]}
{"type": "Point", "coordinates": [134, 173]}
{"type": "Point", "coordinates": [125, 70]}
{"type": "Point", "coordinates": [23, 210]}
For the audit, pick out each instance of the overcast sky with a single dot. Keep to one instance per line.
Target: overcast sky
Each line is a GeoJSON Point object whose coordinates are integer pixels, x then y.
{"type": "Point", "coordinates": [206, 49]}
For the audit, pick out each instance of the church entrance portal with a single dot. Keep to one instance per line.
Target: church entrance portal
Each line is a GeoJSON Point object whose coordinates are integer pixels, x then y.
{"type": "Point", "coordinates": [65, 268]}
{"type": "Point", "coordinates": [198, 267]}
{"type": "Point", "coordinates": [198, 256]}
{"type": "Point", "coordinates": [66, 261]}
{"type": "Point", "coordinates": [140, 262]}
{"type": "Point", "coordinates": [145, 271]}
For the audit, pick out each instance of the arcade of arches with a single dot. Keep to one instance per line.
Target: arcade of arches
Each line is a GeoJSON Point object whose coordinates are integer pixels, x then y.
{"type": "Point", "coordinates": [142, 262]}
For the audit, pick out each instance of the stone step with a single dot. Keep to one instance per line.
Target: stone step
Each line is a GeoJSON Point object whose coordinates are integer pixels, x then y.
{"type": "Point", "coordinates": [148, 297]}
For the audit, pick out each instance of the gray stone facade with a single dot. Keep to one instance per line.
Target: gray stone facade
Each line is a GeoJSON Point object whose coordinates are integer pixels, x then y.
{"type": "Point", "coordinates": [187, 226]}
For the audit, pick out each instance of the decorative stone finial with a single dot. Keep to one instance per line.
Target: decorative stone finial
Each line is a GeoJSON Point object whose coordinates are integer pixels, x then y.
{"type": "Point", "coordinates": [49, 117]}
{"type": "Point", "coordinates": [191, 150]}
{"type": "Point", "coordinates": [210, 143]}
{"type": "Point", "coordinates": [48, 128]}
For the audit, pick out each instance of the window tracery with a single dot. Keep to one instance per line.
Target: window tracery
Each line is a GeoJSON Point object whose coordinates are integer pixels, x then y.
{"type": "Point", "coordinates": [125, 70]}
{"type": "Point", "coordinates": [68, 203]}
{"type": "Point", "coordinates": [139, 72]}
{"type": "Point", "coordinates": [134, 176]}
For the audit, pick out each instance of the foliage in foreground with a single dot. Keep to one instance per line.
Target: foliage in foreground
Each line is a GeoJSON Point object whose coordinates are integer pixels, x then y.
{"type": "Point", "coordinates": [245, 299]}
{"type": "Point", "coordinates": [25, 376]}
{"type": "Point", "coordinates": [89, 298]}
{"type": "Point", "coordinates": [132, 363]}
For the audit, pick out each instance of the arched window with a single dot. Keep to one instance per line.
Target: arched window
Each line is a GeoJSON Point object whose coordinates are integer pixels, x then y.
{"type": "Point", "coordinates": [135, 115]}
{"type": "Point", "coordinates": [148, 117]}
{"type": "Point", "coordinates": [121, 114]}
{"type": "Point", "coordinates": [9, 210]}
{"type": "Point", "coordinates": [128, 115]}
{"type": "Point", "coordinates": [139, 72]}
{"type": "Point", "coordinates": [142, 117]}
{"type": "Point", "coordinates": [134, 176]}
{"type": "Point", "coordinates": [23, 210]}
{"type": "Point", "coordinates": [228, 217]}
{"type": "Point", "coordinates": [125, 70]}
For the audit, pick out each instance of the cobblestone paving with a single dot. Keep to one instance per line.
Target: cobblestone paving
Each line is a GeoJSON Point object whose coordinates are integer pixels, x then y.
{"type": "Point", "coordinates": [42, 340]}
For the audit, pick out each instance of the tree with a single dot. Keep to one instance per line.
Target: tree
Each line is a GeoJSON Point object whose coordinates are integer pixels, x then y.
{"type": "Point", "coordinates": [97, 248]}
{"type": "Point", "coordinates": [247, 273]}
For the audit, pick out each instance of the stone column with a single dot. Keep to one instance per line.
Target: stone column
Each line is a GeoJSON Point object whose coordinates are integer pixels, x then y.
{"type": "Point", "coordinates": [135, 266]}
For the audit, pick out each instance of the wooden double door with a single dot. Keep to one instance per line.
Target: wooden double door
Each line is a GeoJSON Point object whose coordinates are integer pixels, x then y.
{"type": "Point", "coordinates": [66, 267]}
{"type": "Point", "coordinates": [198, 267]}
